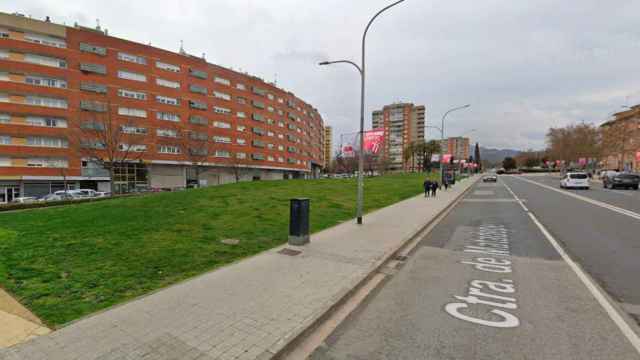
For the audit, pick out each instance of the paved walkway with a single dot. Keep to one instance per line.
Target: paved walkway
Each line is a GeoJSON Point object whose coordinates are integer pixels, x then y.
{"type": "Point", "coordinates": [17, 324]}
{"type": "Point", "coordinates": [248, 310]}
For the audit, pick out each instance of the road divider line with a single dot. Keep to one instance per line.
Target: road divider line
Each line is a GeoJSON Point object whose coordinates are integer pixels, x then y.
{"type": "Point", "coordinates": [619, 210]}
{"type": "Point", "coordinates": [593, 288]}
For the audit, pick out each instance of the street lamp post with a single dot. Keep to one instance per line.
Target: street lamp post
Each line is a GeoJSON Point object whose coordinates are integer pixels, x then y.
{"type": "Point", "coordinates": [442, 138]}
{"type": "Point", "coordinates": [361, 69]}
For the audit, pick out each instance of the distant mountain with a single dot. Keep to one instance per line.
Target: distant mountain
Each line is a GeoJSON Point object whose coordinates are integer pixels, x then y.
{"type": "Point", "coordinates": [495, 156]}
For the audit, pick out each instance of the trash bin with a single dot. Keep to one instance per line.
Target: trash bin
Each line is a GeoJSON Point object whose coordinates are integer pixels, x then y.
{"type": "Point", "coordinates": [299, 221]}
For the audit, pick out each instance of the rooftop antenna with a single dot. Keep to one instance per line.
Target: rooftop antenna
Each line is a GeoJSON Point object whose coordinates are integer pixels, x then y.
{"type": "Point", "coordinates": [275, 81]}
{"type": "Point", "coordinates": [97, 24]}
{"type": "Point", "coordinates": [182, 52]}
{"type": "Point", "coordinates": [47, 19]}
{"type": "Point", "coordinates": [203, 56]}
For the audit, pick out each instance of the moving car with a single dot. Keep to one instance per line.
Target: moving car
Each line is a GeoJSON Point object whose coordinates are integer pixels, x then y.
{"type": "Point", "coordinates": [490, 178]}
{"type": "Point", "coordinates": [621, 180]}
{"type": "Point", "coordinates": [575, 180]}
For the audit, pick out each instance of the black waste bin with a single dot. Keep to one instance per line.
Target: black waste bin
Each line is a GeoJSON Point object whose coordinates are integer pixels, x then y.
{"type": "Point", "coordinates": [299, 221]}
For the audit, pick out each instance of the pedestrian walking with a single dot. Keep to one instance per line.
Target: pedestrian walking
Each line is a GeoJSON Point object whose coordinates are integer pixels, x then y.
{"type": "Point", "coordinates": [434, 188]}
{"type": "Point", "coordinates": [427, 187]}
{"type": "Point", "coordinates": [446, 185]}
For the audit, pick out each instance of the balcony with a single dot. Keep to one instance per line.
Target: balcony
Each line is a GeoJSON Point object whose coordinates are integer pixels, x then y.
{"type": "Point", "coordinates": [98, 50]}
{"type": "Point", "coordinates": [93, 68]}
{"type": "Point", "coordinates": [93, 87]}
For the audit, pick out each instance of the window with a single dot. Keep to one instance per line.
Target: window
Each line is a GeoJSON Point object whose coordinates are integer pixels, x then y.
{"type": "Point", "coordinates": [197, 105]}
{"type": "Point", "coordinates": [198, 73]}
{"type": "Point", "coordinates": [222, 81]}
{"type": "Point", "coordinates": [46, 102]}
{"type": "Point", "coordinates": [241, 86]}
{"type": "Point", "coordinates": [45, 40]}
{"type": "Point", "coordinates": [93, 68]}
{"type": "Point", "coordinates": [93, 87]}
{"type": "Point", "coordinates": [132, 112]}
{"type": "Point", "coordinates": [258, 143]}
{"type": "Point", "coordinates": [167, 133]}
{"type": "Point", "coordinates": [169, 149]}
{"type": "Point", "coordinates": [198, 151]}
{"type": "Point", "coordinates": [241, 141]}
{"type": "Point", "coordinates": [90, 105]}
{"type": "Point", "coordinates": [167, 100]}
{"type": "Point", "coordinates": [5, 118]}
{"type": "Point", "coordinates": [281, 100]}
{"type": "Point", "coordinates": [132, 58]}
{"type": "Point", "coordinates": [95, 49]}
{"type": "Point", "coordinates": [133, 130]}
{"type": "Point", "coordinates": [270, 158]}
{"type": "Point", "coordinates": [138, 95]}
{"type": "Point", "coordinates": [270, 133]}
{"type": "Point", "coordinates": [257, 156]}
{"type": "Point", "coordinates": [241, 128]}
{"type": "Point", "coordinates": [44, 81]}
{"type": "Point", "coordinates": [132, 147]}
{"type": "Point", "coordinates": [40, 141]}
{"type": "Point", "coordinates": [5, 161]}
{"type": "Point", "coordinates": [222, 154]}
{"type": "Point", "coordinates": [47, 162]}
{"type": "Point", "coordinates": [198, 136]}
{"type": "Point", "coordinates": [198, 120]}
{"type": "Point", "coordinates": [168, 67]}
{"type": "Point", "coordinates": [222, 125]}
{"type": "Point", "coordinates": [241, 100]}
{"type": "Point", "coordinates": [221, 95]}
{"type": "Point", "coordinates": [221, 110]}
{"type": "Point", "coordinates": [257, 117]}
{"type": "Point", "coordinates": [122, 74]}
{"type": "Point", "coordinates": [280, 159]}
{"type": "Point", "coordinates": [259, 91]}
{"type": "Point", "coordinates": [258, 104]}
{"type": "Point", "coordinates": [270, 97]}
{"type": "Point", "coordinates": [240, 114]}
{"type": "Point", "coordinates": [280, 124]}
{"type": "Point", "coordinates": [92, 125]}
{"type": "Point", "coordinates": [198, 89]}
{"type": "Point", "coordinates": [258, 131]}
{"type": "Point", "coordinates": [46, 122]}
{"type": "Point", "coordinates": [167, 83]}
{"type": "Point", "coordinates": [241, 155]}
{"type": "Point", "coordinates": [280, 147]}
{"type": "Point", "coordinates": [45, 60]}
{"type": "Point", "coordinates": [222, 139]}
{"type": "Point", "coordinates": [270, 108]}
{"type": "Point", "coordinates": [280, 136]}
{"type": "Point", "coordinates": [5, 140]}
{"type": "Point", "coordinates": [167, 116]}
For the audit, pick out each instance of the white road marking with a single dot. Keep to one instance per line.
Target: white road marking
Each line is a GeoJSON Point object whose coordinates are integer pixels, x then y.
{"type": "Point", "coordinates": [597, 293]}
{"type": "Point", "coordinates": [619, 210]}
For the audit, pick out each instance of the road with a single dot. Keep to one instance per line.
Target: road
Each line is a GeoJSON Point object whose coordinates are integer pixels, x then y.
{"type": "Point", "coordinates": [488, 282]}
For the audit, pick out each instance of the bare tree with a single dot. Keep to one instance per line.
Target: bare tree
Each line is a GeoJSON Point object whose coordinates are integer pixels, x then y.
{"type": "Point", "coordinates": [197, 149]}
{"type": "Point", "coordinates": [617, 139]}
{"type": "Point", "coordinates": [109, 142]}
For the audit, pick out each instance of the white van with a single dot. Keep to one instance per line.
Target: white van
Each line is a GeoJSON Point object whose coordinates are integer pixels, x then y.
{"type": "Point", "coordinates": [575, 180]}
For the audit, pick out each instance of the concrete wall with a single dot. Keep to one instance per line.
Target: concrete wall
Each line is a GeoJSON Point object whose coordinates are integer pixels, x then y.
{"type": "Point", "coordinates": [167, 176]}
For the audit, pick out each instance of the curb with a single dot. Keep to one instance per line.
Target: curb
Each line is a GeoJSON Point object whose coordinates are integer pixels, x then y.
{"type": "Point", "coordinates": [280, 349]}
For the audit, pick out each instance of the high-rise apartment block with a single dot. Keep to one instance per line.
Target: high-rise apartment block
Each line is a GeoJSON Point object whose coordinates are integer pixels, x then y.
{"type": "Point", "coordinates": [328, 145]}
{"type": "Point", "coordinates": [456, 146]}
{"type": "Point", "coordinates": [56, 80]}
{"type": "Point", "coordinates": [403, 124]}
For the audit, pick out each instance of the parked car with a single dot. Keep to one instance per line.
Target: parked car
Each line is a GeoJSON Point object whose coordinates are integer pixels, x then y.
{"type": "Point", "coordinates": [575, 180]}
{"type": "Point", "coordinates": [75, 194]}
{"type": "Point", "coordinates": [25, 199]}
{"type": "Point", "coordinates": [57, 197]}
{"type": "Point", "coordinates": [607, 173]}
{"type": "Point", "coordinates": [87, 192]}
{"type": "Point", "coordinates": [102, 194]}
{"type": "Point", "coordinates": [490, 178]}
{"type": "Point", "coordinates": [621, 180]}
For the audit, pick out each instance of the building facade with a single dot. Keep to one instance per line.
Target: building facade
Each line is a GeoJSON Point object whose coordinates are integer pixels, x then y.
{"type": "Point", "coordinates": [403, 124]}
{"type": "Point", "coordinates": [457, 146]}
{"type": "Point", "coordinates": [328, 146]}
{"type": "Point", "coordinates": [57, 81]}
{"type": "Point", "coordinates": [621, 141]}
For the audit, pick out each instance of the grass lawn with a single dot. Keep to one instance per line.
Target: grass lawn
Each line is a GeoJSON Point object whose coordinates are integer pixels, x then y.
{"type": "Point", "coordinates": [67, 262]}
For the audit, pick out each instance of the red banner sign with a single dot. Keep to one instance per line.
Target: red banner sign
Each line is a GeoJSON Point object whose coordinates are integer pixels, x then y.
{"type": "Point", "coordinates": [446, 158]}
{"type": "Point", "coordinates": [373, 141]}
{"type": "Point", "coordinates": [638, 156]}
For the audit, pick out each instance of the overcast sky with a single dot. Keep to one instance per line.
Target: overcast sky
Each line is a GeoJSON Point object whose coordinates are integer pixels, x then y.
{"type": "Point", "coordinates": [523, 65]}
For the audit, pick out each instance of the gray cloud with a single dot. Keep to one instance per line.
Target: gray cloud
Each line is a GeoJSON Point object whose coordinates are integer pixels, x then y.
{"type": "Point", "coordinates": [523, 65]}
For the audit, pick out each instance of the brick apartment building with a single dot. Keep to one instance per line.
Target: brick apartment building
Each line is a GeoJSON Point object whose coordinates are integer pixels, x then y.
{"type": "Point", "coordinates": [457, 146]}
{"type": "Point", "coordinates": [56, 80]}
{"type": "Point", "coordinates": [403, 123]}
{"type": "Point", "coordinates": [621, 140]}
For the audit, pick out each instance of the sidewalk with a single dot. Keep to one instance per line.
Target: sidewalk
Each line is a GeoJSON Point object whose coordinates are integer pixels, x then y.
{"type": "Point", "coordinates": [248, 310]}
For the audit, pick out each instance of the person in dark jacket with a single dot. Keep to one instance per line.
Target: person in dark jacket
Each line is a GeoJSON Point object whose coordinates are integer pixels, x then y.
{"type": "Point", "coordinates": [446, 184]}
{"type": "Point", "coordinates": [434, 188]}
{"type": "Point", "coordinates": [427, 187]}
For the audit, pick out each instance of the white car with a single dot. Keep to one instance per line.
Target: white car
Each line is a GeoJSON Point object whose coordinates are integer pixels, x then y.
{"type": "Point", "coordinates": [575, 180]}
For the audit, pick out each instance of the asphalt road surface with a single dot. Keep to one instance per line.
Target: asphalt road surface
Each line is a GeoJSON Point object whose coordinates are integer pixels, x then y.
{"type": "Point", "coordinates": [488, 283]}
